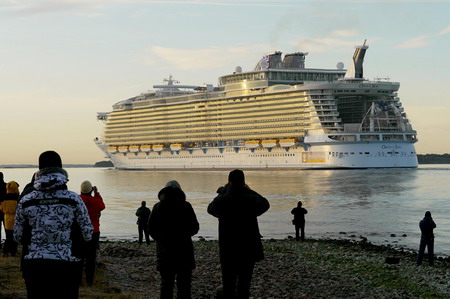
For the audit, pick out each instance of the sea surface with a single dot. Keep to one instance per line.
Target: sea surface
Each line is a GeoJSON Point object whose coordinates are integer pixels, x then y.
{"type": "Point", "coordinates": [382, 205]}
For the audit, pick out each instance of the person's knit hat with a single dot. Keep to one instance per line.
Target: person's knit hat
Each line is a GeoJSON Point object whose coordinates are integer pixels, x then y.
{"type": "Point", "coordinates": [49, 159]}
{"type": "Point", "coordinates": [12, 188]}
{"type": "Point", "coordinates": [173, 184]}
{"type": "Point", "coordinates": [86, 187]}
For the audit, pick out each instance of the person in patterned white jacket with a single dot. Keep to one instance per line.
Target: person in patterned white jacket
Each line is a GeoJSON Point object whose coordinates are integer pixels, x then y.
{"type": "Point", "coordinates": [52, 224]}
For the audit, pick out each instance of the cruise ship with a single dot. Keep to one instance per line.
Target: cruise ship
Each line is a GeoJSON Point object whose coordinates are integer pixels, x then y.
{"type": "Point", "coordinates": [280, 115]}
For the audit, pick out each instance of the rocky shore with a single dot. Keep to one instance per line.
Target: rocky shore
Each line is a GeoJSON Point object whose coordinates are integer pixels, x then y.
{"type": "Point", "coordinates": [309, 269]}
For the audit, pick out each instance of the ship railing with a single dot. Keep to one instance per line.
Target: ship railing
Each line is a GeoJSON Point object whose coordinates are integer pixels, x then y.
{"type": "Point", "coordinates": [375, 131]}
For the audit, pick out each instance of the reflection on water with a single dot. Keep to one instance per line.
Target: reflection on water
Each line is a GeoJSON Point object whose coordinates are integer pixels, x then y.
{"type": "Point", "coordinates": [373, 203]}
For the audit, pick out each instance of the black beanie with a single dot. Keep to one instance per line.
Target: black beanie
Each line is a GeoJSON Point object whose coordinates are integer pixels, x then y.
{"type": "Point", "coordinates": [49, 159]}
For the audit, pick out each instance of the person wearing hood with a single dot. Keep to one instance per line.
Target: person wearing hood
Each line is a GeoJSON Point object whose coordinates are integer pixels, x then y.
{"type": "Point", "coordinates": [53, 224]}
{"type": "Point", "coordinates": [94, 205]}
{"type": "Point", "coordinates": [172, 223]}
{"type": "Point", "coordinates": [8, 207]}
{"type": "Point", "coordinates": [426, 239]}
{"type": "Point", "coordinates": [237, 208]}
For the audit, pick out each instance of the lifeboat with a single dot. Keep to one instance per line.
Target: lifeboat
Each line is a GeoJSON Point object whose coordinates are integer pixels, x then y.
{"type": "Point", "coordinates": [158, 147]}
{"type": "Point", "coordinates": [176, 146]}
{"type": "Point", "coordinates": [269, 143]}
{"type": "Point", "coordinates": [123, 148]}
{"type": "Point", "coordinates": [146, 148]}
{"type": "Point", "coordinates": [288, 142]}
{"type": "Point", "coordinates": [134, 148]}
{"type": "Point", "coordinates": [252, 143]}
{"type": "Point", "coordinates": [112, 149]}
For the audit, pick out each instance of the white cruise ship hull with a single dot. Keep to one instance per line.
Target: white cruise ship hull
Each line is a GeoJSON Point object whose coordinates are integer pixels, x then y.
{"type": "Point", "coordinates": [342, 155]}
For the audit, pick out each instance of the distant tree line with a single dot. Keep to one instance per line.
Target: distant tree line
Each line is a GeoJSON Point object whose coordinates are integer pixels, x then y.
{"type": "Point", "coordinates": [434, 159]}
{"type": "Point", "coordinates": [104, 164]}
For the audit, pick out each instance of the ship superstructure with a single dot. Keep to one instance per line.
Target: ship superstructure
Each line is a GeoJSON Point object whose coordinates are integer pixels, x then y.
{"type": "Point", "coordinates": [280, 115]}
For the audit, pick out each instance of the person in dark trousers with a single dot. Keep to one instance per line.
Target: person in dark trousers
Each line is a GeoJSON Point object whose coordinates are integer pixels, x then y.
{"type": "Point", "coordinates": [8, 207]}
{"type": "Point", "coordinates": [143, 214]}
{"type": "Point", "coordinates": [172, 224]}
{"type": "Point", "coordinates": [2, 195]}
{"type": "Point", "coordinates": [95, 206]}
{"type": "Point", "coordinates": [427, 239]}
{"type": "Point", "coordinates": [53, 224]}
{"type": "Point", "coordinates": [299, 221]}
{"type": "Point", "coordinates": [237, 208]}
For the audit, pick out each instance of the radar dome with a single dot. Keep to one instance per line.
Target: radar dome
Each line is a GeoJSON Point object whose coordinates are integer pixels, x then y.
{"type": "Point", "coordinates": [238, 69]}
{"type": "Point", "coordinates": [340, 66]}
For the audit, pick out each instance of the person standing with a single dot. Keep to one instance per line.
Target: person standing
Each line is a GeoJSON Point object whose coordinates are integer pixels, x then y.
{"type": "Point", "coordinates": [237, 207]}
{"type": "Point", "coordinates": [52, 222]}
{"type": "Point", "coordinates": [299, 221]}
{"type": "Point", "coordinates": [427, 239]}
{"type": "Point", "coordinates": [8, 207]}
{"type": "Point", "coordinates": [2, 195]}
{"type": "Point", "coordinates": [143, 214]}
{"type": "Point", "coordinates": [172, 224]}
{"type": "Point", "coordinates": [94, 205]}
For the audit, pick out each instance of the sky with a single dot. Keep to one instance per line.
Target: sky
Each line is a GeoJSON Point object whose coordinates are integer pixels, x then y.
{"type": "Point", "coordinates": [62, 61]}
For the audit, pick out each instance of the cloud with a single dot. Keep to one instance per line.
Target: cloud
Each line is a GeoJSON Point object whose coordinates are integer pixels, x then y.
{"type": "Point", "coordinates": [423, 40]}
{"type": "Point", "coordinates": [25, 7]}
{"type": "Point", "coordinates": [416, 42]}
{"type": "Point", "coordinates": [345, 33]}
{"type": "Point", "coordinates": [203, 58]}
{"type": "Point", "coordinates": [328, 44]}
{"type": "Point", "coordinates": [444, 31]}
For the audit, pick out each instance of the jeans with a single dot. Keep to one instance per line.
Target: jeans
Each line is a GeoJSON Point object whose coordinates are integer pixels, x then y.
{"type": "Point", "coordinates": [183, 278]}
{"type": "Point", "coordinates": [91, 258]}
{"type": "Point", "coordinates": [426, 242]}
{"type": "Point", "coordinates": [51, 279]}
{"type": "Point", "coordinates": [236, 279]}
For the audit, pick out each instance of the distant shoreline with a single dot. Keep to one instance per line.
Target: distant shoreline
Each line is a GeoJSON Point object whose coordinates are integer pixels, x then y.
{"type": "Point", "coordinates": [423, 159]}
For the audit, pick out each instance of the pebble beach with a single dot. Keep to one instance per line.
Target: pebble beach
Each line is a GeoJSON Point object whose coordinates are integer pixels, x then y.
{"type": "Point", "coordinates": [291, 269]}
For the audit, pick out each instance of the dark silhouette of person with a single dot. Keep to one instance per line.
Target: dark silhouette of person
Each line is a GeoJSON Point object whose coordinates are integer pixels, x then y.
{"type": "Point", "coordinates": [299, 221]}
{"type": "Point", "coordinates": [8, 207]}
{"type": "Point", "coordinates": [172, 224]}
{"type": "Point", "coordinates": [143, 214]}
{"type": "Point", "coordinates": [427, 239]}
{"type": "Point", "coordinates": [94, 205]}
{"type": "Point", "coordinates": [53, 224]}
{"type": "Point", "coordinates": [237, 208]}
{"type": "Point", "coordinates": [2, 196]}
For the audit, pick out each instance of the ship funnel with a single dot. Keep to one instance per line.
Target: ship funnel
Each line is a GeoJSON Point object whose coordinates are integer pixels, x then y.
{"type": "Point", "coordinates": [271, 61]}
{"type": "Point", "coordinates": [355, 71]}
{"type": "Point", "coordinates": [294, 60]}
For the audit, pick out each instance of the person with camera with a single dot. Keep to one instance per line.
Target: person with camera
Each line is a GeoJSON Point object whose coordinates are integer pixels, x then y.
{"type": "Point", "coordinates": [94, 205]}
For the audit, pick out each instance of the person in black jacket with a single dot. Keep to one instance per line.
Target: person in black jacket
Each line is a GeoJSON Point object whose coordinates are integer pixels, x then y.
{"type": "Point", "coordinates": [237, 207]}
{"type": "Point", "coordinates": [172, 223]}
{"type": "Point", "coordinates": [2, 196]}
{"type": "Point", "coordinates": [143, 214]}
{"type": "Point", "coordinates": [299, 221]}
{"type": "Point", "coordinates": [427, 238]}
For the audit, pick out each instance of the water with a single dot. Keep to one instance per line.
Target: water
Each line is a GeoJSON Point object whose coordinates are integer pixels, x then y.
{"type": "Point", "coordinates": [373, 203]}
